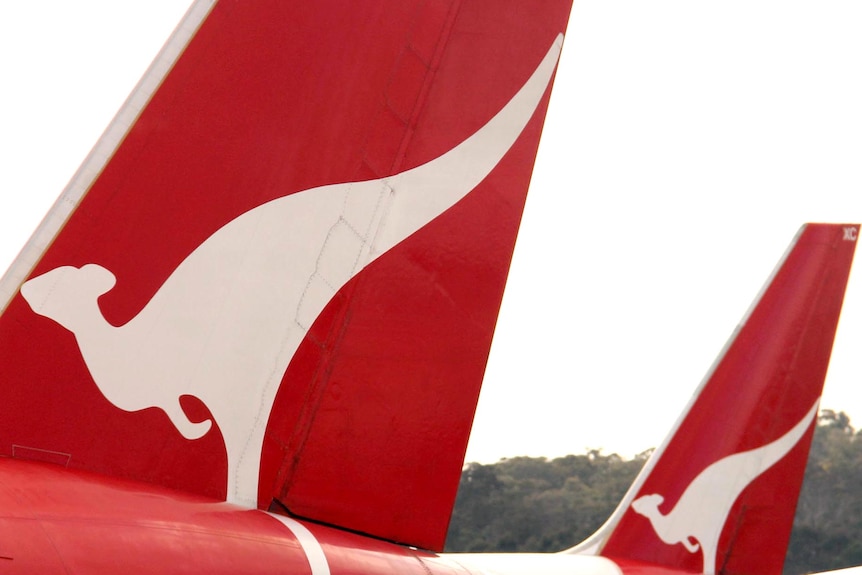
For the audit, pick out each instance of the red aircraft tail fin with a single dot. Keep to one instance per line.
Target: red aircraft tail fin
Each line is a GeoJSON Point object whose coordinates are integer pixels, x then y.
{"type": "Point", "coordinates": [720, 494]}
{"type": "Point", "coordinates": [276, 278]}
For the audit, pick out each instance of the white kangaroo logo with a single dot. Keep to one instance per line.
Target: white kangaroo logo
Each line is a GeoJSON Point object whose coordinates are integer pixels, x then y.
{"type": "Point", "coordinates": [226, 323]}
{"type": "Point", "coordinates": [698, 518]}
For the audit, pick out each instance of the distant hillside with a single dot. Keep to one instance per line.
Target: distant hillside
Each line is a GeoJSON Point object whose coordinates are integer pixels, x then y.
{"type": "Point", "coordinates": [535, 504]}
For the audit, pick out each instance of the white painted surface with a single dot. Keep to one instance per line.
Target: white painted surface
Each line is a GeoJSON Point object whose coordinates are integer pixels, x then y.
{"type": "Point", "coordinates": [534, 564]}
{"type": "Point", "coordinates": [309, 543]}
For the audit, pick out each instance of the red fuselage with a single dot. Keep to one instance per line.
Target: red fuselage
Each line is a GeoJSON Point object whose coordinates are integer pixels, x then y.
{"type": "Point", "coordinates": [56, 520]}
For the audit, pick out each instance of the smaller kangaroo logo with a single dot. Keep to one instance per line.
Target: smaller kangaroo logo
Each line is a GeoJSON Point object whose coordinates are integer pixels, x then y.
{"type": "Point", "coordinates": [698, 518]}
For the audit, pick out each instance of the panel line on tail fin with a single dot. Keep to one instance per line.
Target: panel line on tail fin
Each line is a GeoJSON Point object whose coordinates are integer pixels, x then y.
{"type": "Point", "coordinates": [406, 107]}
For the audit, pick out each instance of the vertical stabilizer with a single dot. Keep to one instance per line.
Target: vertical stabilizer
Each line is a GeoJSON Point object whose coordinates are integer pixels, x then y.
{"type": "Point", "coordinates": [720, 494]}
{"type": "Point", "coordinates": [276, 278]}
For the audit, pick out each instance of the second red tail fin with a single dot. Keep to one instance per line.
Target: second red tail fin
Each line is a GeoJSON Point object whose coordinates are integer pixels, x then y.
{"type": "Point", "coordinates": [720, 494]}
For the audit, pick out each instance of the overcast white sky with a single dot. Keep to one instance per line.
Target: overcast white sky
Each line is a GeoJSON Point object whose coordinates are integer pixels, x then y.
{"type": "Point", "coordinates": [685, 144]}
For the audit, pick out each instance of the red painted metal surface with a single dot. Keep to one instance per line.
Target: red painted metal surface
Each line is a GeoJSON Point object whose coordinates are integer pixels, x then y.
{"type": "Point", "coordinates": [776, 364]}
{"type": "Point", "coordinates": [270, 98]}
{"type": "Point", "coordinates": [629, 567]}
{"type": "Point", "coordinates": [55, 520]}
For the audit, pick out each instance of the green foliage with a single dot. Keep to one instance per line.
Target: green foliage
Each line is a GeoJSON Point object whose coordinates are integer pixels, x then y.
{"type": "Point", "coordinates": [534, 504]}
{"type": "Point", "coordinates": [827, 530]}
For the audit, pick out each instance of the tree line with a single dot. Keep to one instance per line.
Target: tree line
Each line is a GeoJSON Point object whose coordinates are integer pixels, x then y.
{"type": "Point", "coordinates": [532, 504]}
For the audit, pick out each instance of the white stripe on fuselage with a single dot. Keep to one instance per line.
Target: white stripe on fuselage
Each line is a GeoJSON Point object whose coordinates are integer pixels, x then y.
{"type": "Point", "coordinates": [309, 543]}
